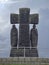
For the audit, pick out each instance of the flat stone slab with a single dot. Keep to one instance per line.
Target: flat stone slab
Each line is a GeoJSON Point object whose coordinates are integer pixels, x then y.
{"type": "Point", "coordinates": [21, 52]}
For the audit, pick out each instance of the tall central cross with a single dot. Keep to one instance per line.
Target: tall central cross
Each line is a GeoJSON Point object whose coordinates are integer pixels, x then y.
{"type": "Point", "coordinates": [24, 18]}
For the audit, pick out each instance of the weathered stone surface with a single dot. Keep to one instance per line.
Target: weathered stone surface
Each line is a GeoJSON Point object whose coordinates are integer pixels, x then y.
{"type": "Point", "coordinates": [17, 52]}
{"type": "Point", "coordinates": [24, 19]}
{"type": "Point", "coordinates": [24, 36]}
{"type": "Point", "coordinates": [14, 18]}
{"type": "Point", "coordinates": [33, 52]}
{"type": "Point", "coordinates": [24, 15]}
{"type": "Point", "coordinates": [34, 36]}
{"type": "Point", "coordinates": [34, 19]}
{"type": "Point", "coordinates": [20, 52]}
{"type": "Point", "coordinates": [14, 36]}
{"type": "Point", "coordinates": [24, 27]}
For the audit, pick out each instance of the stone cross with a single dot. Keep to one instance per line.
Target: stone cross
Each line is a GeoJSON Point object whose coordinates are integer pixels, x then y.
{"type": "Point", "coordinates": [24, 18]}
{"type": "Point", "coordinates": [26, 38]}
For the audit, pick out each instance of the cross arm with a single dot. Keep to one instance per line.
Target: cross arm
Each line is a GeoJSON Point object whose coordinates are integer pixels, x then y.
{"type": "Point", "coordinates": [34, 19]}
{"type": "Point", "coordinates": [13, 18]}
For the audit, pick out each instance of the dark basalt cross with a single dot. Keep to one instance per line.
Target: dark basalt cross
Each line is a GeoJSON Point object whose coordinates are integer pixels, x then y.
{"type": "Point", "coordinates": [24, 18]}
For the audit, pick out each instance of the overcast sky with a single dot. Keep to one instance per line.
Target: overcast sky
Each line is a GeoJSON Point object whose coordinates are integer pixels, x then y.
{"type": "Point", "coordinates": [36, 6]}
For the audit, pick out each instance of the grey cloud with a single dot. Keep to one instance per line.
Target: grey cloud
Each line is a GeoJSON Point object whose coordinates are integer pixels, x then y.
{"type": "Point", "coordinates": [44, 12]}
{"type": "Point", "coordinates": [36, 4]}
{"type": "Point", "coordinates": [44, 28]}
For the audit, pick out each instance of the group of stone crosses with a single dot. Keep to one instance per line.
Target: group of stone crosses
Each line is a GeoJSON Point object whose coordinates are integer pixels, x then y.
{"type": "Point", "coordinates": [27, 38]}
